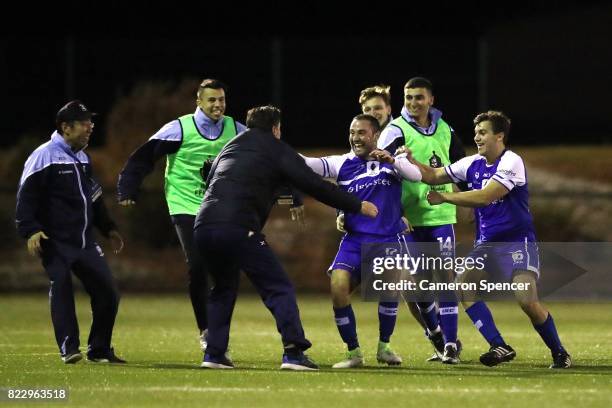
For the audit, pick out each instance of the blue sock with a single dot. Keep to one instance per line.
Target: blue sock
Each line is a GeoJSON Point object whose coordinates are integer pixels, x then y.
{"type": "Point", "coordinates": [449, 315]}
{"type": "Point", "coordinates": [429, 314]}
{"type": "Point", "coordinates": [387, 315]}
{"type": "Point", "coordinates": [548, 332]}
{"type": "Point", "coordinates": [483, 320]}
{"type": "Point", "coordinates": [347, 326]}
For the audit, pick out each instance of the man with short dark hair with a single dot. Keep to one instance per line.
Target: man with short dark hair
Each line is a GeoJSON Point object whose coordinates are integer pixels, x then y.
{"type": "Point", "coordinates": [420, 127]}
{"type": "Point", "coordinates": [187, 143]}
{"type": "Point", "coordinates": [242, 187]}
{"type": "Point", "coordinates": [505, 236]}
{"type": "Point", "coordinates": [375, 176]}
{"type": "Point", "coordinates": [58, 203]}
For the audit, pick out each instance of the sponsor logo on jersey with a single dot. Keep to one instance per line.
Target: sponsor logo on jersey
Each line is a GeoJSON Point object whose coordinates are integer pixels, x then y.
{"type": "Point", "coordinates": [507, 172]}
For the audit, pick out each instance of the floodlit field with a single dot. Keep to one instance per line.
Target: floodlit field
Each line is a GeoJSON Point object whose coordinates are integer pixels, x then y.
{"type": "Point", "coordinates": [156, 335]}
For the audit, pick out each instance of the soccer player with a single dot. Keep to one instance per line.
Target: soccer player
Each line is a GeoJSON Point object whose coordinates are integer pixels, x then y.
{"type": "Point", "coordinates": [376, 101]}
{"type": "Point", "coordinates": [420, 127]}
{"type": "Point", "coordinates": [499, 195]}
{"type": "Point", "coordinates": [187, 143]}
{"type": "Point", "coordinates": [374, 176]}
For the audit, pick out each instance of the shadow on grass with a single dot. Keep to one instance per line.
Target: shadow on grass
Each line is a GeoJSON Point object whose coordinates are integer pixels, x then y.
{"type": "Point", "coordinates": [466, 369]}
{"type": "Point", "coordinates": [158, 365]}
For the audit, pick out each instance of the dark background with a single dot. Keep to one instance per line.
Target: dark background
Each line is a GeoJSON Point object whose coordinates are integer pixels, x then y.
{"type": "Point", "coordinates": [548, 67]}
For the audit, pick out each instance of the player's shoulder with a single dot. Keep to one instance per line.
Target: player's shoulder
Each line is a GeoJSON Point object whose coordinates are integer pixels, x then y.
{"type": "Point", "coordinates": [392, 129]}
{"type": "Point", "coordinates": [511, 155]}
{"type": "Point", "coordinates": [348, 156]}
{"type": "Point", "coordinates": [510, 158]}
{"type": "Point", "coordinates": [343, 159]}
{"type": "Point", "coordinates": [170, 132]}
{"type": "Point", "coordinates": [389, 133]}
{"type": "Point", "coordinates": [512, 166]}
{"type": "Point", "coordinates": [334, 163]}
{"type": "Point", "coordinates": [442, 122]}
{"type": "Point", "coordinates": [469, 161]}
{"type": "Point", "coordinates": [240, 127]}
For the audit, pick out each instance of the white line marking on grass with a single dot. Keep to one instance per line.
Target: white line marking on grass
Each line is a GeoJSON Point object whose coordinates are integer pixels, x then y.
{"type": "Point", "coordinates": [31, 354]}
{"type": "Point", "coordinates": [313, 390]}
{"type": "Point", "coordinates": [23, 345]}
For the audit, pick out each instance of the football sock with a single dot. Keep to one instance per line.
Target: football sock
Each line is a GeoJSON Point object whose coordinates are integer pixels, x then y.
{"type": "Point", "coordinates": [449, 315]}
{"type": "Point", "coordinates": [387, 315]}
{"type": "Point", "coordinates": [548, 332]}
{"type": "Point", "coordinates": [429, 314]}
{"type": "Point", "coordinates": [347, 326]}
{"type": "Point", "coordinates": [483, 320]}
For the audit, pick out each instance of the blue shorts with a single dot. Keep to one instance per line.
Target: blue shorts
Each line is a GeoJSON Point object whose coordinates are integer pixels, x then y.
{"type": "Point", "coordinates": [502, 259]}
{"type": "Point", "coordinates": [443, 234]}
{"type": "Point", "coordinates": [349, 255]}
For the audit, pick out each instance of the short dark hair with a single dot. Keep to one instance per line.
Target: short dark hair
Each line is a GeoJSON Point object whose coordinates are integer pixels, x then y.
{"type": "Point", "coordinates": [500, 123]}
{"type": "Point", "coordinates": [382, 91]}
{"type": "Point", "coordinates": [419, 82]}
{"type": "Point", "coordinates": [263, 117]}
{"type": "Point", "coordinates": [373, 121]}
{"type": "Point", "coordinates": [211, 83]}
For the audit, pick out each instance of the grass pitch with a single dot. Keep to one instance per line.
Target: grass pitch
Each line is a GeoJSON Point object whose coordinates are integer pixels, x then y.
{"type": "Point", "coordinates": [157, 335]}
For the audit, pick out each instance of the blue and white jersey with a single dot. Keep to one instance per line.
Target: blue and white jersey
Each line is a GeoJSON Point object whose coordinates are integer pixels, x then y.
{"type": "Point", "coordinates": [506, 219]}
{"type": "Point", "coordinates": [378, 183]}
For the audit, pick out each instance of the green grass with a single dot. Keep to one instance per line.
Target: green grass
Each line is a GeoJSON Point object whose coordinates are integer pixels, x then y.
{"type": "Point", "coordinates": [157, 335]}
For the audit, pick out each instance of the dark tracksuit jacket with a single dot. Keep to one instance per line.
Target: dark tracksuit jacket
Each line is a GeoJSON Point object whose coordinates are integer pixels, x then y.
{"type": "Point", "coordinates": [242, 187]}
{"type": "Point", "coordinates": [58, 195]}
{"type": "Point", "coordinates": [247, 174]}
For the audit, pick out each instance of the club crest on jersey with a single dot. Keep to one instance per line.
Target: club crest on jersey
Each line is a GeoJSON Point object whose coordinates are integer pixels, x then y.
{"type": "Point", "coordinates": [372, 167]}
{"type": "Point", "coordinates": [517, 256]}
{"type": "Point", "coordinates": [435, 161]}
{"type": "Point", "coordinates": [476, 175]}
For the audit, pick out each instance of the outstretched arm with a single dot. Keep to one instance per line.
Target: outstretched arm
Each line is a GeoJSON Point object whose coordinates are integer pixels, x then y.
{"type": "Point", "coordinates": [429, 175]}
{"type": "Point", "coordinates": [142, 161]}
{"type": "Point", "coordinates": [474, 198]}
{"type": "Point", "coordinates": [299, 174]}
{"type": "Point", "coordinates": [326, 167]}
{"type": "Point", "coordinates": [403, 167]}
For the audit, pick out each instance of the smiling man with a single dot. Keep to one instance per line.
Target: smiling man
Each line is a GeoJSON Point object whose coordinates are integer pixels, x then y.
{"type": "Point", "coordinates": [58, 204]}
{"type": "Point", "coordinates": [376, 101]}
{"type": "Point", "coordinates": [371, 175]}
{"type": "Point", "coordinates": [187, 143]}
{"type": "Point", "coordinates": [505, 235]}
{"type": "Point", "coordinates": [420, 127]}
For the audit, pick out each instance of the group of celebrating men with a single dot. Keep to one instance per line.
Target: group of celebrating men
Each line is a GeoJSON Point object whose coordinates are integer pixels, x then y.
{"type": "Point", "coordinates": [222, 179]}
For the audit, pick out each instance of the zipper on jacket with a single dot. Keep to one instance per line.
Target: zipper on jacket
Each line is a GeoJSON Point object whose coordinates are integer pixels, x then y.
{"type": "Point", "coordinates": [84, 202]}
